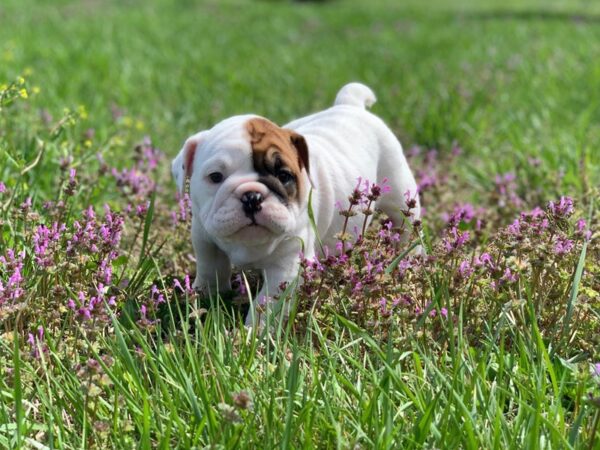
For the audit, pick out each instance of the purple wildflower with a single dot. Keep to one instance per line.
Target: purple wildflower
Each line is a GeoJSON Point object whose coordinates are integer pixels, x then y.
{"type": "Point", "coordinates": [36, 342]}
{"type": "Point", "coordinates": [506, 188]}
{"type": "Point", "coordinates": [561, 209]}
{"type": "Point", "coordinates": [383, 305]}
{"type": "Point", "coordinates": [464, 212]}
{"type": "Point", "coordinates": [563, 245]}
{"type": "Point", "coordinates": [26, 205]}
{"type": "Point", "coordinates": [582, 230]}
{"type": "Point", "coordinates": [484, 260]}
{"type": "Point", "coordinates": [514, 229]}
{"type": "Point", "coordinates": [241, 284]}
{"type": "Point", "coordinates": [65, 162]}
{"type": "Point", "coordinates": [142, 209]}
{"type": "Point", "coordinates": [509, 276]}
{"type": "Point", "coordinates": [455, 239]}
{"type": "Point", "coordinates": [536, 213]}
{"type": "Point", "coordinates": [377, 190]}
{"type": "Point", "coordinates": [133, 181]}
{"type": "Point", "coordinates": [43, 239]}
{"type": "Point", "coordinates": [183, 213]}
{"type": "Point", "coordinates": [156, 295]}
{"type": "Point", "coordinates": [464, 269]}
{"type": "Point", "coordinates": [13, 289]}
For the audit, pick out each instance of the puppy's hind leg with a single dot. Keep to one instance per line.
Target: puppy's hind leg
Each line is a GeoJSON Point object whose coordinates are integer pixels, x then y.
{"type": "Point", "coordinates": [401, 204]}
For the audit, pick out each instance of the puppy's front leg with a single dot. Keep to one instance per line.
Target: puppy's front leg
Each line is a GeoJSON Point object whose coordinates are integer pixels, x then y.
{"type": "Point", "coordinates": [213, 268]}
{"type": "Point", "coordinates": [264, 303]}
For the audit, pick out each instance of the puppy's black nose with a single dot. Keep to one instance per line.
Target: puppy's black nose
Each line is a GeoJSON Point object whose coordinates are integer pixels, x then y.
{"type": "Point", "coordinates": [251, 202]}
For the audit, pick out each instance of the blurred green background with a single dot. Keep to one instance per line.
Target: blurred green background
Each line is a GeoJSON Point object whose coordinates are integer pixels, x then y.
{"type": "Point", "coordinates": [505, 80]}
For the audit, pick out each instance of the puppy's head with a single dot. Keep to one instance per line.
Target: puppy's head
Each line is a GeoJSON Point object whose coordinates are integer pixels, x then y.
{"type": "Point", "coordinates": [248, 180]}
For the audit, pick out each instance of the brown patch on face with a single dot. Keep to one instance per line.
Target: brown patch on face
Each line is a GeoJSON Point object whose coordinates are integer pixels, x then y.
{"type": "Point", "coordinates": [279, 155]}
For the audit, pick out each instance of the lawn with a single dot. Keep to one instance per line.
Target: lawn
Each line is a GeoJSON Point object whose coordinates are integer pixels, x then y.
{"type": "Point", "coordinates": [492, 341]}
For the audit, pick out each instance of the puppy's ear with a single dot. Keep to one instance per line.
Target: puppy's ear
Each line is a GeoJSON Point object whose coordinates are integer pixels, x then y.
{"type": "Point", "coordinates": [300, 143]}
{"type": "Point", "coordinates": [183, 164]}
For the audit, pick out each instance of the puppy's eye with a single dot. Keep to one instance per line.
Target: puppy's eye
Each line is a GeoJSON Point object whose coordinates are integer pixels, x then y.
{"type": "Point", "coordinates": [285, 177]}
{"type": "Point", "coordinates": [216, 177]}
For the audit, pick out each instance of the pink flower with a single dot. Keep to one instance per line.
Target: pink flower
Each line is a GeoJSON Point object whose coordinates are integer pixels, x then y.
{"type": "Point", "coordinates": [484, 260]}
{"type": "Point", "coordinates": [563, 245]}
{"type": "Point", "coordinates": [26, 205]}
{"type": "Point", "coordinates": [536, 212]}
{"type": "Point", "coordinates": [382, 304]}
{"type": "Point", "coordinates": [462, 213]}
{"type": "Point", "coordinates": [464, 269]}
{"type": "Point", "coordinates": [241, 284]}
{"type": "Point", "coordinates": [455, 239]}
{"type": "Point", "coordinates": [563, 208]}
{"type": "Point", "coordinates": [506, 188]}
{"type": "Point", "coordinates": [515, 228]}
{"type": "Point", "coordinates": [509, 276]}
{"type": "Point", "coordinates": [582, 231]}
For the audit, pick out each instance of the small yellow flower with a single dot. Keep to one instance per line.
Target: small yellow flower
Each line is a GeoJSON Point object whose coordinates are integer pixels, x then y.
{"type": "Point", "coordinates": [87, 143]}
{"type": "Point", "coordinates": [3, 87]}
{"type": "Point", "coordinates": [127, 121]}
{"type": "Point", "coordinates": [28, 71]}
{"type": "Point", "coordinates": [139, 125]}
{"type": "Point", "coordinates": [20, 81]}
{"type": "Point", "coordinates": [117, 141]}
{"type": "Point", "coordinates": [82, 112]}
{"type": "Point", "coordinates": [169, 347]}
{"type": "Point", "coordinates": [23, 93]}
{"type": "Point", "coordinates": [36, 90]}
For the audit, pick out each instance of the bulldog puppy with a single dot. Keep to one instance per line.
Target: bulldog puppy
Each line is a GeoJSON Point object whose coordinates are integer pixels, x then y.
{"type": "Point", "coordinates": [250, 182]}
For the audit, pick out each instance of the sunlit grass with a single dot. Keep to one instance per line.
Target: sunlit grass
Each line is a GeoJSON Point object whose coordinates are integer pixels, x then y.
{"type": "Point", "coordinates": [108, 347]}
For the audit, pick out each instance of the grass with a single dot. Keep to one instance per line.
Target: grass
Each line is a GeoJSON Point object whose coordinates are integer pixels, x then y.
{"type": "Point", "coordinates": [509, 82]}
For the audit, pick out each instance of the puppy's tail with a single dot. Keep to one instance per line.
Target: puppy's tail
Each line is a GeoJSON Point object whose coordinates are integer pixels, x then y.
{"type": "Point", "coordinates": [355, 94]}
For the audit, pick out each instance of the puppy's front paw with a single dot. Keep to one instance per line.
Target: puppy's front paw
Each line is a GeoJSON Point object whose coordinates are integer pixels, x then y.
{"type": "Point", "coordinates": [200, 286]}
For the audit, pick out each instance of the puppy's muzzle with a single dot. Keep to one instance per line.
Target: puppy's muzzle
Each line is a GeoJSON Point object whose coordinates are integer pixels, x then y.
{"type": "Point", "coordinates": [252, 203]}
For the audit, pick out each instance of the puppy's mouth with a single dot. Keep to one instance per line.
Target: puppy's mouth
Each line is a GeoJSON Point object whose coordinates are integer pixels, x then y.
{"type": "Point", "coordinates": [253, 233]}
{"type": "Point", "coordinates": [256, 226]}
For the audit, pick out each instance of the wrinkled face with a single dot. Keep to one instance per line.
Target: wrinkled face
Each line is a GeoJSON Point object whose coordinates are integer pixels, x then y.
{"type": "Point", "coordinates": [248, 181]}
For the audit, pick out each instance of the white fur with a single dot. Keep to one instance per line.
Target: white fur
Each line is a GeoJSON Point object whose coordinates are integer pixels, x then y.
{"type": "Point", "coordinates": [355, 94]}
{"type": "Point", "coordinates": [345, 142]}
